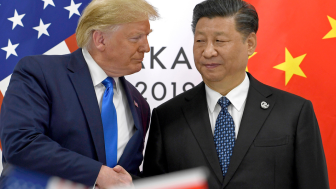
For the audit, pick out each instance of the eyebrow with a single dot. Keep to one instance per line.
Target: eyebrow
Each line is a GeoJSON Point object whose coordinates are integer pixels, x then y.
{"type": "Point", "coordinates": [216, 33]}
{"type": "Point", "coordinates": [141, 33]}
{"type": "Point", "coordinates": [219, 33]}
{"type": "Point", "coordinates": [199, 32]}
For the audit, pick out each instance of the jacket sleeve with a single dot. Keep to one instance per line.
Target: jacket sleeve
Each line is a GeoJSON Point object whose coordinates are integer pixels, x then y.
{"type": "Point", "coordinates": [24, 129]}
{"type": "Point", "coordinates": [154, 162]}
{"type": "Point", "coordinates": [311, 169]}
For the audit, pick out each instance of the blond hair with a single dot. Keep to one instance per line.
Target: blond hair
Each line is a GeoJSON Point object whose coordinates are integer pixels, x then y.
{"type": "Point", "coordinates": [104, 15]}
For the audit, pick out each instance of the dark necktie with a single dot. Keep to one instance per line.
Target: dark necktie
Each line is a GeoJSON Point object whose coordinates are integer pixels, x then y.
{"type": "Point", "coordinates": [110, 125]}
{"type": "Point", "coordinates": [224, 135]}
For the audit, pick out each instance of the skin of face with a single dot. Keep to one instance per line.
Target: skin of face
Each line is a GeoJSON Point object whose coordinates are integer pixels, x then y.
{"type": "Point", "coordinates": [121, 52]}
{"type": "Point", "coordinates": [221, 53]}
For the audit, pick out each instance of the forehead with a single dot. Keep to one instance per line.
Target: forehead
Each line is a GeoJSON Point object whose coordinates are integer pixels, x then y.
{"type": "Point", "coordinates": [216, 25]}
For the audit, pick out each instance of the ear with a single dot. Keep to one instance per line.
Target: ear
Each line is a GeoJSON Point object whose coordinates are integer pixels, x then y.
{"type": "Point", "coordinates": [98, 40]}
{"type": "Point", "coordinates": [251, 42]}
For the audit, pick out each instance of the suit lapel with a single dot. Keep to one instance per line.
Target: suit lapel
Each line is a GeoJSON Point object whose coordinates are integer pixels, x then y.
{"type": "Point", "coordinates": [134, 143]}
{"type": "Point", "coordinates": [197, 116]}
{"type": "Point", "coordinates": [81, 79]}
{"type": "Point", "coordinates": [252, 121]}
{"type": "Point", "coordinates": [131, 102]}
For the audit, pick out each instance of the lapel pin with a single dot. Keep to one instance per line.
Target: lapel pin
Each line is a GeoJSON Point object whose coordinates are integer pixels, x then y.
{"type": "Point", "coordinates": [136, 104]}
{"type": "Point", "coordinates": [264, 105]}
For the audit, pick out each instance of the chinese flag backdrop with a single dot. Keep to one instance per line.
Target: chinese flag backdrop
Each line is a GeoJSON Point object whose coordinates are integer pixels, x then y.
{"type": "Point", "coordinates": [296, 53]}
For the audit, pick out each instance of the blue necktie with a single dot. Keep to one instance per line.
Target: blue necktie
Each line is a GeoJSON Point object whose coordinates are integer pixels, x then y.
{"type": "Point", "coordinates": [224, 135]}
{"type": "Point", "coordinates": [110, 125]}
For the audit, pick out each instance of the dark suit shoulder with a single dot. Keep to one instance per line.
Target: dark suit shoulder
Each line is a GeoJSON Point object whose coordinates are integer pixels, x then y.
{"type": "Point", "coordinates": [44, 60]}
{"type": "Point", "coordinates": [285, 94]}
{"type": "Point", "coordinates": [45, 69]}
{"type": "Point", "coordinates": [280, 95]}
{"type": "Point", "coordinates": [53, 64]}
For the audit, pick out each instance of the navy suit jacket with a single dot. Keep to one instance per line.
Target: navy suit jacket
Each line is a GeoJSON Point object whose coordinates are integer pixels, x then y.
{"type": "Point", "coordinates": [279, 147]}
{"type": "Point", "coordinates": [51, 123]}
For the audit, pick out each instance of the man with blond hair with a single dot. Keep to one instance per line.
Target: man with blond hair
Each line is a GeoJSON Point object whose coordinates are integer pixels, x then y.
{"type": "Point", "coordinates": [75, 116]}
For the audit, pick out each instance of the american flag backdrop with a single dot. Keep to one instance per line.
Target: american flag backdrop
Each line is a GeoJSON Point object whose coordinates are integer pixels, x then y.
{"type": "Point", "coordinates": [32, 27]}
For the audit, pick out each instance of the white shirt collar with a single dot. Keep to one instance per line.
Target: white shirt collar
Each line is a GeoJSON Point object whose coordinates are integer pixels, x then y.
{"type": "Point", "coordinates": [237, 96]}
{"type": "Point", "coordinates": [97, 73]}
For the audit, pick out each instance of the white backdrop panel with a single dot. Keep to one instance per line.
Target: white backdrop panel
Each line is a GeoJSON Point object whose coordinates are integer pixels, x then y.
{"type": "Point", "coordinates": [172, 35]}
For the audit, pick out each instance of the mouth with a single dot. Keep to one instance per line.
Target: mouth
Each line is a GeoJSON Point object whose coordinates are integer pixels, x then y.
{"type": "Point", "coordinates": [211, 65]}
{"type": "Point", "coordinates": [138, 59]}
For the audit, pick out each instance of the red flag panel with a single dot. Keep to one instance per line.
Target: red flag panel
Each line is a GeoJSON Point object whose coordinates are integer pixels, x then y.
{"type": "Point", "coordinates": [1, 98]}
{"type": "Point", "coordinates": [72, 43]}
{"type": "Point", "coordinates": [301, 27]}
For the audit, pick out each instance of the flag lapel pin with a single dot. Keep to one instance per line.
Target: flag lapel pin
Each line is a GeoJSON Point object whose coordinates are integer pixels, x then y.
{"type": "Point", "coordinates": [136, 104]}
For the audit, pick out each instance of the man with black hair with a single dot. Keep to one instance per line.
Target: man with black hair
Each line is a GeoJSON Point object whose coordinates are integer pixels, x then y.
{"type": "Point", "coordinates": [249, 135]}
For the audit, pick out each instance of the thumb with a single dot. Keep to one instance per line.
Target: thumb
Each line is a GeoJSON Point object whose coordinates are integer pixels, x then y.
{"type": "Point", "coordinates": [118, 169]}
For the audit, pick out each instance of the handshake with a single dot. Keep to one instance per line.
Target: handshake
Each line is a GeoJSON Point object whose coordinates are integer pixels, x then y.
{"type": "Point", "coordinates": [111, 178]}
{"type": "Point", "coordinates": [116, 176]}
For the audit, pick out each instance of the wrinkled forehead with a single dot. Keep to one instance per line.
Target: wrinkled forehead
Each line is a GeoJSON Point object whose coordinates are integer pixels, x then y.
{"type": "Point", "coordinates": [133, 28]}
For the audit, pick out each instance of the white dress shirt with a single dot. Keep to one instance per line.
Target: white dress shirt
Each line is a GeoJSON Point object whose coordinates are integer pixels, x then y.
{"type": "Point", "coordinates": [125, 120]}
{"type": "Point", "coordinates": [237, 97]}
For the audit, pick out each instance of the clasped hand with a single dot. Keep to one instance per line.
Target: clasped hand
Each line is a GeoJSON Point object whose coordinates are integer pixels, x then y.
{"type": "Point", "coordinates": [113, 177]}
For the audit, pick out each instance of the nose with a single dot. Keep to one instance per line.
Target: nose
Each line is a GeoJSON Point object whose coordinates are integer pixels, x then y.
{"type": "Point", "coordinates": [144, 47]}
{"type": "Point", "coordinates": [209, 51]}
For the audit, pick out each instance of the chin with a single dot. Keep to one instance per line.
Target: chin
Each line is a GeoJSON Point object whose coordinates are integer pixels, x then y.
{"type": "Point", "coordinates": [139, 67]}
{"type": "Point", "coordinates": [134, 70]}
{"type": "Point", "coordinates": [138, 70]}
{"type": "Point", "coordinates": [213, 77]}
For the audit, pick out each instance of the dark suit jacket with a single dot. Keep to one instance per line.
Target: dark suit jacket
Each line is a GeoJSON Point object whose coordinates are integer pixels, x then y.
{"type": "Point", "coordinates": [277, 148]}
{"type": "Point", "coordinates": [51, 123]}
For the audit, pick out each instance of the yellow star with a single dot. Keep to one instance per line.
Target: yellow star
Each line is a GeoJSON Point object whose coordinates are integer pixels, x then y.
{"type": "Point", "coordinates": [291, 66]}
{"type": "Point", "coordinates": [249, 58]}
{"type": "Point", "coordinates": [332, 33]}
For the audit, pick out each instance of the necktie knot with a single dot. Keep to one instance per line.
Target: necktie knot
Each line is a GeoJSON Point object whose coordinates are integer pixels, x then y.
{"type": "Point", "coordinates": [108, 82]}
{"type": "Point", "coordinates": [224, 102]}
